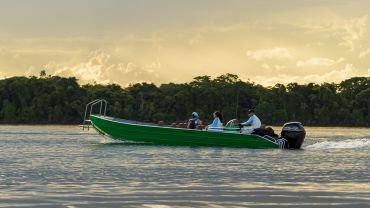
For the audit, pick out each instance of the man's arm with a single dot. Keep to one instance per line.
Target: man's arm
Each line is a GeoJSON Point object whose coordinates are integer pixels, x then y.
{"type": "Point", "coordinates": [199, 122]}
{"type": "Point", "coordinates": [249, 122]}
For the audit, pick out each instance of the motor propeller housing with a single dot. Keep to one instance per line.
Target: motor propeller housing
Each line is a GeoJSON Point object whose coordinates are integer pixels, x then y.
{"type": "Point", "coordinates": [294, 133]}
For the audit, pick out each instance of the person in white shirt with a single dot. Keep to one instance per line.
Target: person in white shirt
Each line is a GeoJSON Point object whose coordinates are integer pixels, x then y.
{"type": "Point", "coordinates": [253, 121]}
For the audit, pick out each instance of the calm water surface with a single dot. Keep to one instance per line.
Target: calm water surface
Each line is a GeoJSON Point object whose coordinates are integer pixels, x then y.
{"type": "Point", "coordinates": [61, 166]}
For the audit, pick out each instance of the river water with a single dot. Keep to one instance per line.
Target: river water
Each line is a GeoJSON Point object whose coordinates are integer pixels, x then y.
{"type": "Point", "coordinates": [62, 166]}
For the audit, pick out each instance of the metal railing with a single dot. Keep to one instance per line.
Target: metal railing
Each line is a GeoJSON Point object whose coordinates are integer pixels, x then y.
{"type": "Point", "coordinates": [89, 111]}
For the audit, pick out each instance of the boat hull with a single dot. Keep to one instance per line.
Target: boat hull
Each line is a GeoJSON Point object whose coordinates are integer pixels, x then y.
{"type": "Point", "coordinates": [155, 135]}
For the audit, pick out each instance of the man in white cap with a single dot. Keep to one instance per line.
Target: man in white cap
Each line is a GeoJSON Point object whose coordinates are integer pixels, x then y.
{"type": "Point", "coordinates": [253, 121]}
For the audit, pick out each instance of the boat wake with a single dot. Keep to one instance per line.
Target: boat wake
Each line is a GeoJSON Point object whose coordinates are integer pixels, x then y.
{"type": "Point", "coordinates": [346, 144]}
{"type": "Point", "coordinates": [111, 142]}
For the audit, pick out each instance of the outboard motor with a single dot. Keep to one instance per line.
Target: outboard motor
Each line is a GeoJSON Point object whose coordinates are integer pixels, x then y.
{"type": "Point", "coordinates": [294, 133]}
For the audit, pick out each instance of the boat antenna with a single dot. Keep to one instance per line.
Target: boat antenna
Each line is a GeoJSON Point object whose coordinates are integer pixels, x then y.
{"type": "Point", "coordinates": [237, 103]}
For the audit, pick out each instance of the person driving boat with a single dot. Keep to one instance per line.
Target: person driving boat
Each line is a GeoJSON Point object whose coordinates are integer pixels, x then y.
{"type": "Point", "coordinates": [254, 122]}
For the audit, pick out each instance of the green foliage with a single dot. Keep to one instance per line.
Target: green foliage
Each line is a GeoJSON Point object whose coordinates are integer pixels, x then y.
{"type": "Point", "coordinates": [57, 100]}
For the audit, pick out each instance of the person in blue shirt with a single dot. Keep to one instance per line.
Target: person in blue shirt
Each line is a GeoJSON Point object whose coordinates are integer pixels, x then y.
{"type": "Point", "coordinates": [253, 121]}
{"type": "Point", "coordinates": [217, 121]}
{"type": "Point", "coordinates": [194, 121]}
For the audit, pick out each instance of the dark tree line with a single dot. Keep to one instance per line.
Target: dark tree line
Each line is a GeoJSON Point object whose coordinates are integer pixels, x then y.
{"type": "Point", "coordinates": [58, 100]}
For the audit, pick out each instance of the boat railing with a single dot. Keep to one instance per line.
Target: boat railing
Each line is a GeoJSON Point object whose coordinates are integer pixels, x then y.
{"type": "Point", "coordinates": [270, 138]}
{"type": "Point", "coordinates": [89, 111]}
{"type": "Point", "coordinates": [281, 142]}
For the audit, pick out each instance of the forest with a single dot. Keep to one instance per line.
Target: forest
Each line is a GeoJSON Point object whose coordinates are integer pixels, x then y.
{"type": "Point", "coordinates": [60, 100]}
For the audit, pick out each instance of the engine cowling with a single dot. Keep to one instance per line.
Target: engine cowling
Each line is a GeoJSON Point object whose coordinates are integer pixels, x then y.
{"type": "Point", "coordinates": [294, 133]}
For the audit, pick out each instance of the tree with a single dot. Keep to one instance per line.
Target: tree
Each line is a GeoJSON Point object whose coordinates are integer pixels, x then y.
{"type": "Point", "coordinates": [42, 73]}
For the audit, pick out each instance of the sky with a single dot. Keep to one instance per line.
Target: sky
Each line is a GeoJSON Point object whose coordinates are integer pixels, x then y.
{"type": "Point", "coordinates": [161, 41]}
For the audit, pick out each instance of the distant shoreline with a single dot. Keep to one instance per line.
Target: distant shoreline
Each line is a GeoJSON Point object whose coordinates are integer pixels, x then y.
{"type": "Point", "coordinates": [54, 100]}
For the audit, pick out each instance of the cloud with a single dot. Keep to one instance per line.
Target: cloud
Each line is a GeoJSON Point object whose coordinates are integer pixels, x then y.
{"type": "Point", "coordinates": [333, 76]}
{"type": "Point", "coordinates": [349, 33]}
{"type": "Point", "coordinates": [2, 75]}
{"type": "Point", "coordinates": [94, 70]}
{"type": "Point", "coordinates": [197, 38]}
{"type": "Point", "coordinates": [353, 31]}
{"type": "Point", "coordinates": [363, 54]}
{"type": "Point", "coordinates": [273, 53]}
{"type": "Point", "coordinates": [318, 62]}
{"type": "Point", "coordinates": [265, 66]}
{"type": "Point", "coordinates": [99, 69]}
{"type": "Point", "coordinates": [7, 54]}
{"type": "Point", "coordinates": [279, 67]}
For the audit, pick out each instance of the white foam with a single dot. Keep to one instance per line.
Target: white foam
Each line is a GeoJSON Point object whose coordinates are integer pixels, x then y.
{"type": "Point", "coordinates": [346, 144]}
{"type": "Point", "coordinates": [108, 140]}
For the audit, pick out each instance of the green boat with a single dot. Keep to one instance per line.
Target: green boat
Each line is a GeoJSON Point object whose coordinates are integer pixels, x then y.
{"type": "Point", "coordinates": [145, 133]}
